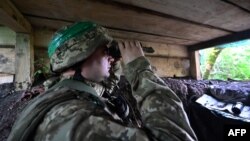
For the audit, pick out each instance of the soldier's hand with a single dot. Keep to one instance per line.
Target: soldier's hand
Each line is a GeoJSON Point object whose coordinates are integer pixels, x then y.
{"type": "Point", "coordinates": [130, 50]}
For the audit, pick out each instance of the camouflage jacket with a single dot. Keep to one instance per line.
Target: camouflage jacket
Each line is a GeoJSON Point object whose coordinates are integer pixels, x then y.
{"type": "Point", "coordinates": [71, 114]}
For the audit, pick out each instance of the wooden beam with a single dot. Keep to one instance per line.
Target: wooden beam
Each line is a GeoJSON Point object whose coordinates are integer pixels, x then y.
{"type": "Point", "coordinates": [24, 53]}
{"type": "Point", "coordinates": [7, 36]}
{"type": "Point", "coordinates": [117, 17]}
{"type": "Point", "coordinates": [11, 17]}
{"type": "Point", "coordinates": [149, 38]}
{"type": "Point", "coordinates": [7, 46]}
{"type": "Point", "coordinates": [6, 78]}
{"type": "Point", "coordinates": [42, 37]}
{"type": "Point", "coordinates": [221, 40]}
{"type": "Point", "coordinates": [7, 60]}
{"type": "Point", "coordinates": [216, 13]}
{"type": "Point", "coordinates": [170, 67]}
{"type": "Point", "coordinates": [44, 26]}
{"type": "Point", "coordinates": [241, 4]}
{"type": "Point", "coordinates": [195, 65]}
{"type": "Point", "coordinates": [24, 61]}
{"type": "Point", "coordinates": [53, 25]}
{"type": "Point", "coordinates": [166, 50]}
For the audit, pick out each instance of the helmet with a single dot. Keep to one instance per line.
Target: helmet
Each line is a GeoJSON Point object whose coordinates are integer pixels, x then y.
{"type": "Point", "coordinates": [72, 44]}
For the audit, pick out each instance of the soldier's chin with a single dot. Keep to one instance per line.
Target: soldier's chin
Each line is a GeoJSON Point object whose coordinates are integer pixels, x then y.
{"type": "Point", "coordinates": [106, 75]}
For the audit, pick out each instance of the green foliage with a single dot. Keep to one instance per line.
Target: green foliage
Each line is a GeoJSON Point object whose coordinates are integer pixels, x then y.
{"type": "Point", "coordinates": [232, 63]}
{"type": "Point", "coordinates": [41, 68]}
{"type": "Point", "coordinates": [213, 55]}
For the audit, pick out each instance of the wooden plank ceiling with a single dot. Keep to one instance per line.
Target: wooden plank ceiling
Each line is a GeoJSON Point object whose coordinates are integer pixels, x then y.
{"type": "Point", "coordinates": [182, 22]}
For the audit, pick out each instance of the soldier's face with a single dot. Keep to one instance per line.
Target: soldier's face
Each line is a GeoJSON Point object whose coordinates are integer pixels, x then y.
{"type": "Point", "coordinates": [104, 60]}
{"type": "Point", "coordinates": [99, 64]}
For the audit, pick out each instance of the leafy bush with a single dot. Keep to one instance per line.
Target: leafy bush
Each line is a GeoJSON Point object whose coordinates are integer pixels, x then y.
{"type": "Point", "coordinates": [233, 62]}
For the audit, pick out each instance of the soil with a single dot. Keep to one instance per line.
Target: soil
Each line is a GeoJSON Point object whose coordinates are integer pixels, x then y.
{"type": "Point", "coordinates": [12, 102]}
{"type": "Point", "coordinates": [10, 107]}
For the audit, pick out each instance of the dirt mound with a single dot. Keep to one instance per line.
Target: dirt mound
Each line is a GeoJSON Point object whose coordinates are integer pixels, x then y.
{"type": "Point", "coordinates": [10, 107]}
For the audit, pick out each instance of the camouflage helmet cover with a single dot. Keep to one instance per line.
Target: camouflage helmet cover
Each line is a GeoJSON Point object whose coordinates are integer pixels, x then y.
{"type": "Point", "coordinates": [72, 44]}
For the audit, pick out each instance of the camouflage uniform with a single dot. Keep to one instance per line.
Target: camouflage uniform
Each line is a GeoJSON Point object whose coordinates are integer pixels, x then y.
{"type": "Point", "coordinates": [70, 112]}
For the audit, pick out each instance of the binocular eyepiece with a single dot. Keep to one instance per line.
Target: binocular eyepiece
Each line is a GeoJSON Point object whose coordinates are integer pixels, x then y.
{"type": "Point", "coordinates": [113, 50]}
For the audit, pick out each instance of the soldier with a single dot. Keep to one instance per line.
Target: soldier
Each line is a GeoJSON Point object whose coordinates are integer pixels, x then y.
{"type": "Point", "coordinates": [72, 109]}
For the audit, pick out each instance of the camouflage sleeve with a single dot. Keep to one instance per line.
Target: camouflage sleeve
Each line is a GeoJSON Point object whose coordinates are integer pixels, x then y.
{"type": "Point", "coordinates": [162, 111]}
{"type": "Point", "coordinates": [116, 70]}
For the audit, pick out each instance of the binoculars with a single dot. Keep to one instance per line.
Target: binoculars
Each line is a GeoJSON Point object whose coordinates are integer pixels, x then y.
{"type": "Point", "coordinates": [114, 51]}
